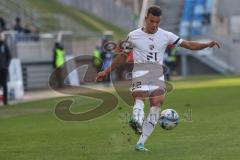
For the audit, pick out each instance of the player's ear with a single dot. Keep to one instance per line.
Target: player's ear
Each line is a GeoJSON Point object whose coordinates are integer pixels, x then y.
{"type": "Point", "coordinates": [146, 17]}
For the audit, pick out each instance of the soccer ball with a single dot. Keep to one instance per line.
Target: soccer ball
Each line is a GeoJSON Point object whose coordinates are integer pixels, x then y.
{"type": "Point", "coordinates": [169, 119]}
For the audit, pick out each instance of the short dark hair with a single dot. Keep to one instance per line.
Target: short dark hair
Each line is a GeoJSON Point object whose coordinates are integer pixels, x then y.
{"type": "Point", "coordinates": [154, 10]}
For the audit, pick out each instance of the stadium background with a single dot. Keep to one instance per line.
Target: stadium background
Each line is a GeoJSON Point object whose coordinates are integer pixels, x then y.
{"type": "Point", "coordinates": [206, 83]}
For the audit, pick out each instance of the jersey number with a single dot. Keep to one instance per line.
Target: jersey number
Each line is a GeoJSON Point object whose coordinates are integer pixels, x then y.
{"type": "Point", "coordinates": [152, 56]}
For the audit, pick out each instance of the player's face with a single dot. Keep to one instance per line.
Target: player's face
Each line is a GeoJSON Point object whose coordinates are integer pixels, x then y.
{"type": "Point", "coordinates": [152, 23]}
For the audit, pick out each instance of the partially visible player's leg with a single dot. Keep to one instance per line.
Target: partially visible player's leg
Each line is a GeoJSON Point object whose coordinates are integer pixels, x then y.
{"type": "Point", "coordinates": [156, 101]}
{"type": "Point", "coordinates": [138, 111]}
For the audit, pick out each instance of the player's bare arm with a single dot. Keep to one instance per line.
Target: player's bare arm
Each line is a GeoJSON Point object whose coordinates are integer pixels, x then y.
{"type": "Point", "coordinates": [193, 45]}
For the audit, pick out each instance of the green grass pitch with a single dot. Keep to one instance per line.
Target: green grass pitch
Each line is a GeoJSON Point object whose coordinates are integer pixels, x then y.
{"type": "Point", "coordinates": [209, 128]}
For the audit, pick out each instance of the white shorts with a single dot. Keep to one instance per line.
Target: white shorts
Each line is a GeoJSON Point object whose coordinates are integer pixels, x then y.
{"type": "Point", "coordinates": [150, 83]}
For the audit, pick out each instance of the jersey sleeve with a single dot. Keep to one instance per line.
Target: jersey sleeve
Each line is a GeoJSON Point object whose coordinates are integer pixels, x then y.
{"type": "Point", "coordinates": [173, 39]}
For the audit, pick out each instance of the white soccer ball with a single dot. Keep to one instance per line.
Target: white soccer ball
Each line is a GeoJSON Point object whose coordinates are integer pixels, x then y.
{"type": "Point", "coordinates": [169, 119]}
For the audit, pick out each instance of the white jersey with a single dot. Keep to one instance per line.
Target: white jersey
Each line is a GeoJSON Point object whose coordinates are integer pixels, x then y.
{"type": "Point", "coordinates": [149, 49]}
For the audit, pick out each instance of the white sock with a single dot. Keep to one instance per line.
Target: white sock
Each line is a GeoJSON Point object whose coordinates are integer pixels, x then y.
{"type": "Point", "coordinates": [138, 111]}
{"type": "Point", "coordinates": [149, 124]}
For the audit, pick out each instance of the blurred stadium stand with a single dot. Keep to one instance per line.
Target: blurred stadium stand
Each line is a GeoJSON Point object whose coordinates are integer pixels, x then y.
{"type": "Point", "coordinates": [171, 11]}
{"type": "Point", "coordinates": [211, 19]}
{"type": "Point", "coordinates": [36, 55]}
{"type": "Point", "coordinates": [48, 22]}
{"type": "Point", "coordinates": [110, 10]}
{"type": "Point", "coordinates": [12, 9]}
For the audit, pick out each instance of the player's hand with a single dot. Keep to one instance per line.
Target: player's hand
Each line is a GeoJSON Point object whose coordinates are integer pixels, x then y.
{"type": "Point", "coordinates": [101, 76]}
{"type": "Point", "coordinates": [212, 44]}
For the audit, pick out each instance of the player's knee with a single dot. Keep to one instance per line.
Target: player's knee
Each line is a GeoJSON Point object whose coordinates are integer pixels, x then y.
{"type": "Point", "coordinates": [161, 102]}
{"type": "Point", "coordinates": [157, 102]}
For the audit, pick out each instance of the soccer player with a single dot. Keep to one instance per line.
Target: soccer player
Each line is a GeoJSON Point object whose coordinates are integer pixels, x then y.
{"type": "Point", "coordinates": [149, 43]}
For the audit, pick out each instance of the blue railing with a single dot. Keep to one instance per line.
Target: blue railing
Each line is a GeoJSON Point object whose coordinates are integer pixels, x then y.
{"type": "Point", "coordinates": [187, 18]}
{"type": "Point", "coordinates": [196, 17]}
